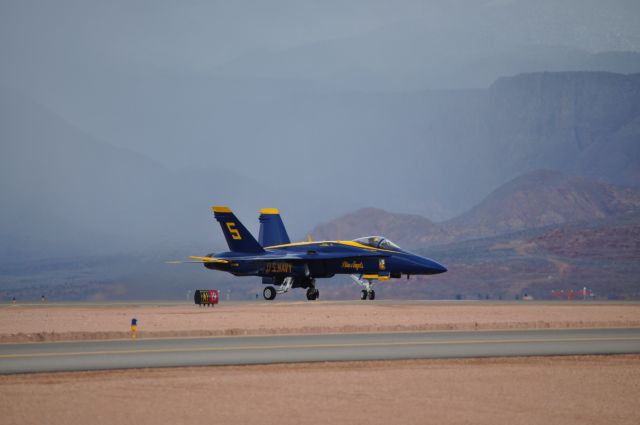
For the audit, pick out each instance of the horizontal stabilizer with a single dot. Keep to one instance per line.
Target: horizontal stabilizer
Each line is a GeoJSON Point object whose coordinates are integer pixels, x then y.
{"type": "Point", "coordinates": [208, 259]}
{"type": "Point", "coordinates": [198, 260]}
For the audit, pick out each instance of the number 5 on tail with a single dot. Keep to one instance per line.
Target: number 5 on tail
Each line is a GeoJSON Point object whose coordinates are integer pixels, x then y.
{"type": "Point", "coordinates": [235, 234]}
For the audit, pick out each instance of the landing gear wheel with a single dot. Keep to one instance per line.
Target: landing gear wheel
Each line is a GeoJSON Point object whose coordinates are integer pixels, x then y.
{"type": "Point", "coordinates": [269, 293]}
{"type": "Point", "coordinates": [363, 295]}
{"type": "Point", "coordinates": [313, 294]}
{"type": "Point", "coordinates": [372, 295]}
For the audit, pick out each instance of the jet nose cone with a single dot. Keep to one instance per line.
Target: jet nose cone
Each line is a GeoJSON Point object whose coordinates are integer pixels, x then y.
{"type": "Point", "coordinates": [437, 267]}
{"type": "Point", "coordinates": [432, 267]}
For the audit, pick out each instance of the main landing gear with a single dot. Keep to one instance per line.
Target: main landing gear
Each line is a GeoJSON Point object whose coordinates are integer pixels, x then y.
{"type": "Point", "coordinates": [269, 293]}
{"type": "Point", "coordinates": [313, 294]}
{"type": "Point", "coordinates": [367, 292]}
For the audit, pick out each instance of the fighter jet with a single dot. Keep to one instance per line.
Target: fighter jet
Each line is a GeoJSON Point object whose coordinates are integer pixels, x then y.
{"type": "Point", "coordinates": [284, 265]}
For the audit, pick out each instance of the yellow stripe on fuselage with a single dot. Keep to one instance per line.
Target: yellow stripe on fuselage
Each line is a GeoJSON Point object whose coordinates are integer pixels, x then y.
{"type": "Point", "coordinates": [345, 243]}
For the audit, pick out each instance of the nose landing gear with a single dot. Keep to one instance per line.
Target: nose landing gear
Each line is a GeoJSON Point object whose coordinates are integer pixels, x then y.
{"type": "Point", "coordinates": [371, 294]}
{"type": "Point", "coordinates": [367, 292]}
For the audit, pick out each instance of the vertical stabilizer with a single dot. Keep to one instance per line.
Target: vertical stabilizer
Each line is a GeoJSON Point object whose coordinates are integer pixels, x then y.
{"type": "Point", "coordinates": [238, 237]}
{"type": "Point", "coordinates": [272, 231]}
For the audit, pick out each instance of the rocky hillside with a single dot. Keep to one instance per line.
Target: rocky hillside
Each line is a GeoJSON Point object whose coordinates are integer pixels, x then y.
{"type": "Point", "coordinates": [539, 232]}
{"type": "Point", "coordinates": [603, 255]}
{"type": "Point", "coordinates": [537, 199]}
{"type": "Point", "coordinates": [405, 229]}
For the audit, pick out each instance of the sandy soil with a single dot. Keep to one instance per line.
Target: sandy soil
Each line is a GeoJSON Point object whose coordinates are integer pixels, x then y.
{"type": "Point", "coordinates": [552, 390]}
{"type": "Point", "coordinates": [54, 322]}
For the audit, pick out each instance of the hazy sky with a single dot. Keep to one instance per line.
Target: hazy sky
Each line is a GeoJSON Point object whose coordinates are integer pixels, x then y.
{"type": "Point", "coordinates": [40, 37]}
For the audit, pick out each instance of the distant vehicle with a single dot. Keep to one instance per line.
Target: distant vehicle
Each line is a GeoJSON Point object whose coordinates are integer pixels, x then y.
{"type": "Point", "coordinates": [284, 265]}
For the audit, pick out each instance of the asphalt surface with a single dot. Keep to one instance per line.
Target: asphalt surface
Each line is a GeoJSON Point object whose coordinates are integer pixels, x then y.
{"type": "Point", "coordinates": [141, 353]}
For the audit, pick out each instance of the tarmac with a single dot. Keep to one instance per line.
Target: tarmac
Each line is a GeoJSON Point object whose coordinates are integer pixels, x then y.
{"type": "Point", "coordinates": [181, 352]}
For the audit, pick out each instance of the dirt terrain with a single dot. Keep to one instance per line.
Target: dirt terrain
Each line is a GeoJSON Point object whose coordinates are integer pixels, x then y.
{"type": "Point", "coordinates": [535, 390]}
{"type": "Point", "coordinates": [552, 390]}
{"type": "Point", "coordinates": [53, 322]}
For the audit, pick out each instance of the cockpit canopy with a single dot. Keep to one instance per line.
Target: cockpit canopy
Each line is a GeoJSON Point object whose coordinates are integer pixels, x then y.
{"type": "Point", "coordinates": [378, 242]}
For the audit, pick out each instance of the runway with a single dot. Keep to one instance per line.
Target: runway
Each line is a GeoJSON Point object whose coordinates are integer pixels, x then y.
{"type": "Point", "coordinates": [178, 352]}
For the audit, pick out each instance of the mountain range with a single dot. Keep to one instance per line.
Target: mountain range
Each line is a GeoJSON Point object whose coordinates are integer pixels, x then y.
{"type": "Point", "coordinates": [602, 255]}
{"type": "Point", "coordinates": [447, 149]}
{"type": "Point", "coordinates": [65, 192]}
{"type": "Point", "coordinates": [540, 232]}
{"type": "Point", "coordinates": [560, 147]}
{"type": "Point", "coordinates": [534, 200]}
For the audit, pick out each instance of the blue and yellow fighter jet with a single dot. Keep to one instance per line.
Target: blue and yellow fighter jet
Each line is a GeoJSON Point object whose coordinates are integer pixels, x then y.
{"type": "Point", "coordinates": [284, 265]}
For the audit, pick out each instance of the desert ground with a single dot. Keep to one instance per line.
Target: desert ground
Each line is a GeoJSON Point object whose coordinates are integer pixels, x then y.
{"type": "Point", "coordinates": [57, 322]}
{"type": "Point", "coordinates": [536, 390]}
{"type": "Point", "coordinates": [533, 390]}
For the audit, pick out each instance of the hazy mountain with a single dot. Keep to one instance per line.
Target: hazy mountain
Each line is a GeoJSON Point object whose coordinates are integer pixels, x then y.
{"type": "Point", "coordinates": [387, 43]}
{"type": "Point", "coordinates": [337, 105]}
{"type": "Point", "coordinates": [60, 185]}
{"type": "Point", "coordinates": [459, 44]}
{"type": "Point", "coordinates": [560, 121]}
{"type": "Point", "coordinates": [539, 199]}
{"type": "Point", "coordinates": [407, 229]}
{"type": "Point", "coordinates": [400, 60]}
{"type": "Point", "coordinates": [445, 149]}
{"type": "Point", "coordinates": [533, 200]}
{"type": "Point", "coordinates": [64, 192]}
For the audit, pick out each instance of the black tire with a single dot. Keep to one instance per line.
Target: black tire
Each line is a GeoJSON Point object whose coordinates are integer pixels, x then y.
{"type": "Point", "coordinates": [313, 294]}
{"type": "Point", "coordinates": [363, 295]}
{"type": "Point", "coordinates": [372, 295]}
{"type": "Point", "coordinates": [269, 293]}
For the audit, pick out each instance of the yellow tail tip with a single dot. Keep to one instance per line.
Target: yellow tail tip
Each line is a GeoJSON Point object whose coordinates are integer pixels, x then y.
{"type": "Point", "coordinates": [269, 211]}
{"type": "Point", "coordinates": [220, 209]}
